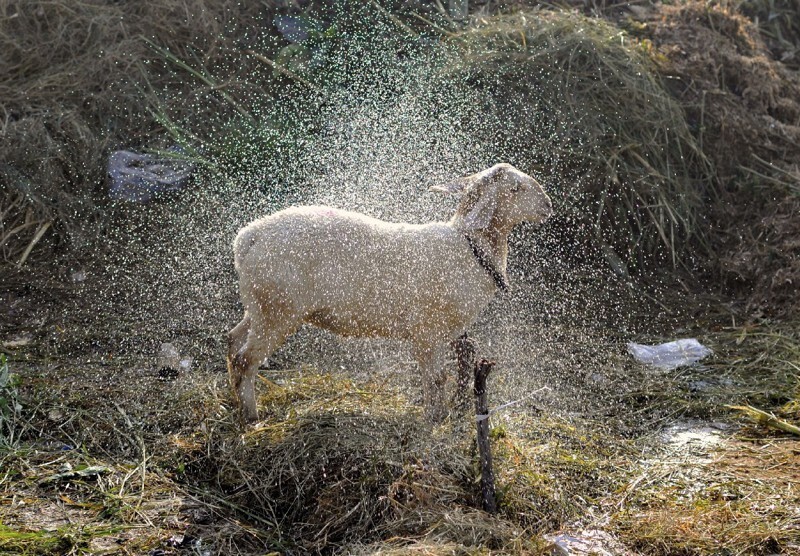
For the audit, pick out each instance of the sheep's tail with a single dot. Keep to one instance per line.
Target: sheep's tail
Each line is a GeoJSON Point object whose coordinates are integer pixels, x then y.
{"type": "Point", "coordinates": [244, 241]}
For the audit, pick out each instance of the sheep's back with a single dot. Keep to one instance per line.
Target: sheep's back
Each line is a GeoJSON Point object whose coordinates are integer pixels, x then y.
{"type": "Point", "coordinates": [355, 274]}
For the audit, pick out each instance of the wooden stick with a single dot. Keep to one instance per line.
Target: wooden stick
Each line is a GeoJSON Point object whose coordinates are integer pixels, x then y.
{"type": "Point", "coordinates": [37, 236]}
{"type": "Point", "coordinates": [465, 349]}
{"type": "Point", "coordinates": [482, 371]}
{"type": "Point", "coordinates": [766, 419]}
{"type": "Point", "coordinates": [282, 69]}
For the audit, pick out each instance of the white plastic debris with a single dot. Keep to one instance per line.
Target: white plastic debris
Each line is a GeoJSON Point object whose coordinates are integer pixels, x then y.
{"type": "Point", "coordinates": [670, 355]}
{"type": "Point", "coordinates": [139, 177]}
{"type": "Point", "coordinates": [593, 542]}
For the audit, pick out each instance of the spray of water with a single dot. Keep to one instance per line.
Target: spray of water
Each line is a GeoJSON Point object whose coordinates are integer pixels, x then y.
{"type": "Point", "coordinates": [380, 125]}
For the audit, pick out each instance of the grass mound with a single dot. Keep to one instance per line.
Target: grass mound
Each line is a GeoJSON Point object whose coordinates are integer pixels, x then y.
{"type": "Point", "coordinates": [333, 464]}
{"type": "Point", "coordinates": [779, 24]}
{"type": "Point", "coordinates": [72, 90]}
{"type": "Point", "coordinates": [639, 126]}
{"type": "Point", "coordinates": [581, 101]}
{"type": "Point", "coordinates": [159, 463]}
{"type": "Point", "coordinates": [743, 106]}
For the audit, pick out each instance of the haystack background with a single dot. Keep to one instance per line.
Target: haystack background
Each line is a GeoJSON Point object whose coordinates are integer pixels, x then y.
{"type": "Point", "coordinates": [670, 136]}
{"type": "Point", "coordinates": [676, 127]}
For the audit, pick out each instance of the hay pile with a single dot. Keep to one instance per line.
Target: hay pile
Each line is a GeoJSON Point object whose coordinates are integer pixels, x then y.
{"type": "Point", "coordinates": [580, 100]}
{"type": "Point", "coordinates": [779, 24]}
{"type": "Point", "coordinates": [657, 126]}
{"type": "Point", "coordinates": [72, 89]}
{"type": "Point", "coordinates": [672, 130]}
{"type": "Point", "coordinates": [743, 106]}
{"type": "Point", "coordinates": [335, 464]}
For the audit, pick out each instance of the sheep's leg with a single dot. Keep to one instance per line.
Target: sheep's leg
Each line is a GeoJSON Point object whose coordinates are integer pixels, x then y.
{"type": "Point", "coordinates": [263, 339]}
{"type": "Point", "coordinates": [237, 364]}
{"type": "Point", "coordinates": [431, 365]}
{"type": "Point", "coordinates": [237, 338]}
{"type": "Point", "coordinates": [272, 317]}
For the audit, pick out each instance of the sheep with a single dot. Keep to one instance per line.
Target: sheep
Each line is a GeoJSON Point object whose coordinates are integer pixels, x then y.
{"type": "Point", "coordinates": [358, 276]}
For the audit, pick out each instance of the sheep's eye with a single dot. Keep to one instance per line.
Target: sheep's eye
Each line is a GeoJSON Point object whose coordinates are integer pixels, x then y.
{"type": "Point", "coordinates": [516, 188]}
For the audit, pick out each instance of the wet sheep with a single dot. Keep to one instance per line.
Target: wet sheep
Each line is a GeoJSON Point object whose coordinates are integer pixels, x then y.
{"type": "Point", "coordinates": [358, 276]}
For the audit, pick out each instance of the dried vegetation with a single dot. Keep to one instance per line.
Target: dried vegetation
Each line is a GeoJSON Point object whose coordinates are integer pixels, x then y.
{"type": "Point", "coordinates": [114, 455]}
{"type": "Point", "coordinates": [74, 86]}
{"type": "Point", "coordinates": [737, 495]}
{"type": "Point", "coordinates": [705, 490]}
{"type": "Point", "coordinates": [598, 122]}
{"type": "Point", "coordinates": [335, 466]}
{"type": "Point", "coordinates": [743, 106]}
{"type": "Point", "coordinates": [674, 126]}
{"type": "Point", "coordinates": [109, 457]}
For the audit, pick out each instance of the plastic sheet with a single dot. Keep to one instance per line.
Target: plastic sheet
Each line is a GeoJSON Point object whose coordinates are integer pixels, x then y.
{"type": "Point", "coordinates": [139, 177]}
{"type": "Point", "coordinates": [670, 355]}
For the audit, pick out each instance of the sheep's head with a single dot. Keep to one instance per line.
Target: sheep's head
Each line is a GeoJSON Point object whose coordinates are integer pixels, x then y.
{"type": "Point", "coordinates": [499, 197]}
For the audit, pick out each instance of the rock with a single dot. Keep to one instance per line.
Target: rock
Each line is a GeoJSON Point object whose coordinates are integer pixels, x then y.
{"type": "Point", "coordinates": [67, 473]}
{"type": "Point", "coordinates": [55, 414]}
{"type": "Point", "coordinates": [78, 276]}
{"type": "Point", "coordinates": [168, 362]}
{"type": "Point", "coordinates": [20, 340]}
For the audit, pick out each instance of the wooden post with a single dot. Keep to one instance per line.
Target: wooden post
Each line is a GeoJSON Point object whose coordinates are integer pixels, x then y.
{"type": "Point", "coordinates": [465, 349]}
{"type": "Point", "coordinates": [482, 371]}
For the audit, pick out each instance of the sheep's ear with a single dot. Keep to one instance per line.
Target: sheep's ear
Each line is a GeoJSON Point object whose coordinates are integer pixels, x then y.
{"type": "Point", "coordinates": [480, 215]}
{"type": "Point", "coordinates": [457, 187]}
{"type": "Point", "coordinates": [470, 183]}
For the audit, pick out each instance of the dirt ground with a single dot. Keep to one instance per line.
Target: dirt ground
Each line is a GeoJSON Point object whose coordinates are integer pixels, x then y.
{"type": "Point", "coordinates": [108, 446]}
{"type": "Point", "coordinates": [110, 454]}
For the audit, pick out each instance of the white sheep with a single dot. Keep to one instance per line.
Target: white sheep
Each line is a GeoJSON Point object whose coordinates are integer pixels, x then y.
{"type": "Point", "coordinates": [359, 276]}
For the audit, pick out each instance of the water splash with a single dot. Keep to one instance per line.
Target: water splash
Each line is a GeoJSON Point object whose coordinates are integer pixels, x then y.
{"type": "Point", "coordinates": [378, 130]}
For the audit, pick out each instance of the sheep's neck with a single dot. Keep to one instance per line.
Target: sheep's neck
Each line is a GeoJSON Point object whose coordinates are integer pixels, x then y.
{"type": "Point", "coordinates": [493, 247]}
{"type": "Point", "coordinates": [495, 244]}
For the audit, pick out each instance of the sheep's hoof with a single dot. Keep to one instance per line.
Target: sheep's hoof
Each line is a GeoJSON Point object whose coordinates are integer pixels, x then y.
{"type": "Point", "coordinates": [249, 418]}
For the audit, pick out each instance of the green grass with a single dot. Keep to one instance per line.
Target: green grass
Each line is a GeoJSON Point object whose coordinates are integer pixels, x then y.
{"type": "Point", "coordinates": [70, 539]}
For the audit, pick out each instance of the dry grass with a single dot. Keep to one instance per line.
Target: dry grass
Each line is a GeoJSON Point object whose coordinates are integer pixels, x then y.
{"type": "Point", "coordinates": [742, 105]}
{"type": "Point", "coordinates": [98, 465]}
{"type": "Point", "coordinates": [68, 503]}
{"type": "Point", "coordinates": [778, 22]}
{"type": "Point", "coordinates": [743, 500]}
{"type": "Point", "coordinates": [590, 110]}
{"type": "Point", "coordinates": [337, 465]}
{"type": "Point", "coordinates": [71, 91]}
{"type": "Point", "coordinates": [334, 464]}
{"type": "Point", "coordinates": [731, 494]}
